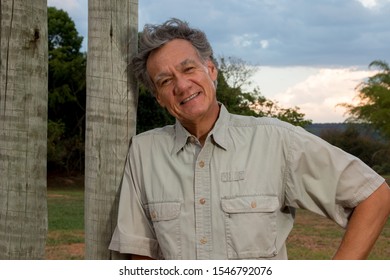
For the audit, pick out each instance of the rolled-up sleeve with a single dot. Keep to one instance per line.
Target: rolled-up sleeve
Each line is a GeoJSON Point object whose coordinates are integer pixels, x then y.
{"type": "Point", "coordinates": [326, 180]}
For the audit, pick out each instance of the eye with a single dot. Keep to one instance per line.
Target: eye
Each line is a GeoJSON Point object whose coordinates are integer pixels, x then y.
{"type": "Point", "coordinates": [164, 82]}
{"type": "Point", "coordinates": [189, 69]}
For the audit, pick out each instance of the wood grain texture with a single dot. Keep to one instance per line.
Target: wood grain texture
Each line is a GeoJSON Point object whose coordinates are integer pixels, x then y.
{"type": "Point", "coordinates": [111, 116]}
{"type": "Point", "coordinates": [23, 128]}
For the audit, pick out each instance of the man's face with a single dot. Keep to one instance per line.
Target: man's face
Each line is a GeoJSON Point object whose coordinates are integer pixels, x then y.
{"type": "Point", "coordinates": [184, 83]}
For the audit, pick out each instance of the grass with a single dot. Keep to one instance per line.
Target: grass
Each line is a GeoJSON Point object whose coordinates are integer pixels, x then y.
{"type": "Point", "coordinates": [66, 218]}
{"type": "Point", "coordinates": [313, 237]}
{"type": "Point", "coordinates": [317, 238]}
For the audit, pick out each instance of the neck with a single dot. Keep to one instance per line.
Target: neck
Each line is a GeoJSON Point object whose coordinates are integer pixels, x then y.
{"type": "Point", "coordinates": [201, 128]}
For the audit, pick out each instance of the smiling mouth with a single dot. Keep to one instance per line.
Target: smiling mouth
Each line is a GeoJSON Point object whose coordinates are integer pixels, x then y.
{"type": "Point", "coordinates": [189, 98]}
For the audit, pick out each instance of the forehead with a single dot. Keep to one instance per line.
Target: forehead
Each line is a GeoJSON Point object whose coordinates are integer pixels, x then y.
{"type": "Point", "coordinates": [173, 53]}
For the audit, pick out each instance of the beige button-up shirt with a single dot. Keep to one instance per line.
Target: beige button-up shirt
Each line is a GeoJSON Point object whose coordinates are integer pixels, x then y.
{"type": "Point", "coordinates": [233, 198]}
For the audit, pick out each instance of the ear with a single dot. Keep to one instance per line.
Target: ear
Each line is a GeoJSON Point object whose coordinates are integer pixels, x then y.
{"type": "Point", "coordinates": [213, 71]}
{"type": "Point", "coordinates": [158, 98]}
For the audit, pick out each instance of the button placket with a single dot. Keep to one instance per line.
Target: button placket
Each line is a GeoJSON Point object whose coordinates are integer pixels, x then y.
{"type": "Point", "coordinates": [203, 209]}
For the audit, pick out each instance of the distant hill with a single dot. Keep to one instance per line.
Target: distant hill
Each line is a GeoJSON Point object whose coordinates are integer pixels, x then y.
{"type": "Point", "coordinates": [364, 129]}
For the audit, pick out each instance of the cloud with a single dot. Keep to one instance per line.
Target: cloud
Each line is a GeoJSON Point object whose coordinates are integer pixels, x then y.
{"type": "Point", "coordinates": [372, 4]}
{"type": "Point", "coordinates": [324, 33]}
{"type": "Point", "coordinates": [309, 52]}
{"type": "Point", "coordinates": [320, 33]}
{"type": "Point", "coordinates": [66, 5]}
{"type": "Point", "coordinates": [319, 94]}
{"type": "Point", "coordinates": [264, 44]}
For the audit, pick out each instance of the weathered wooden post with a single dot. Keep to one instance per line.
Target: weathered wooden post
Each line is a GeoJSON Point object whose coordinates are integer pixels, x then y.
{"type": "Point", "coordinates": [111, 116]}
{"type": "Point", "coordinates": [23, 126]}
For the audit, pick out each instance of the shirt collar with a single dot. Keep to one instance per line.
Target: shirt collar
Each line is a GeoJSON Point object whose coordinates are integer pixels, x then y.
{"type": "Point", "coordinates": [219, 132]}
{"type": "Point", "coordinates": [181, 136]}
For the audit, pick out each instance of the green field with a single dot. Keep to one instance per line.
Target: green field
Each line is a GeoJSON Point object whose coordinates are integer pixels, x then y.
{"type": "Point", "coordinates": [66, 219]}
{"type": "Point", "coordinates": [313, 237]}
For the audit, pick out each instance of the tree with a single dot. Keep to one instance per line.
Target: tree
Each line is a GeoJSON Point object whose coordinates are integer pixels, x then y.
{"type": "Point", "coordinates": [354, 142]}
{"type": "Point", "coordinates": [23, 119]}
{"type": "Point", "coordinates": [374, 100]}
{"type": "Point", "coordinates": [67, 67]}
{"type": "Point", "coordinates": [233, 76]}
{"type": "Point", "coordinates": [268, 108]}
{"type": "Point", "coordinates": [111, 116]}
{"type": "Point", "coordinates": [236, 71]}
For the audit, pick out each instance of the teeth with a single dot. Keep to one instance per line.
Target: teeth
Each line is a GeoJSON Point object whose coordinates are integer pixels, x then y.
{"type": "Point", "coordinates": [190, 98]}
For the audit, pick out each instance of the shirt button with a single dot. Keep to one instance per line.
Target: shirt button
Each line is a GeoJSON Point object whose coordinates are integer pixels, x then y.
{"type": "Point", "coordinates": [201, 164]}
{"type": "Point", "coordinates": [191, 139]}
{"type": "Point", "coordinates": [202, 201]}
{"type": "Point", "coordinates": [153, 215]}
{"type": "Point", "coordinates": [203, 241]}
{"type": "Point", "coordinates": [253, 204]}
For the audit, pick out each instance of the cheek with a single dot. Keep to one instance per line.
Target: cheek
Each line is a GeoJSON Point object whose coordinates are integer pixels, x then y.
{"type": "Point", "coordinates": [164, 101]}
{"type": "Point", "coordinates": [160, 102]}
{"type": "Point", "coordinates": [160, 99]}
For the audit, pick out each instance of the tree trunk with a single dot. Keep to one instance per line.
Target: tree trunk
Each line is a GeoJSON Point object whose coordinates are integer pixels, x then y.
{"type": "Point", "coordinates": [23, 126]}
{"type": "Point", "coordinates": [111, 116]}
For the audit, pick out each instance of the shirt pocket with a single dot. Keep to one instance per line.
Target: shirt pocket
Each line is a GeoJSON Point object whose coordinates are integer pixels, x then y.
{"type": "Point", "coordinates": [165, 219]}
{"type": "Point", "coordinates": [250, 225]}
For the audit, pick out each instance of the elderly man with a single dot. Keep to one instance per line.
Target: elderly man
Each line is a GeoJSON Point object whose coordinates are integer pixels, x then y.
{"type": "Point", "coordinates": [222, 186]}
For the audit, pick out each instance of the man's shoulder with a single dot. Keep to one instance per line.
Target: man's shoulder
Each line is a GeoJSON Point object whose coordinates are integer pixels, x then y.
{"type": "Point", "coordinates": [240, 121]}
{"type": "Point", "coordinates": [157, 138]}
{"type": "Point", "coordinates": [165, 131]}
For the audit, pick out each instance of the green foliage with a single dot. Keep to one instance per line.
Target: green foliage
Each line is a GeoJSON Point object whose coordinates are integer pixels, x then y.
{"type": "Point", "coordinates": [234, 99]}
{"type": "Point", "coordinates": [374, 96]}
{"type": "Point", "coordinates": [373, 152]}
{"type": "Point", "coordinates": [233, 76]}
{"type": "Point", "coordinates": [149, 113]}
{"type": "Point", "coordinates": [56, 151]}
{"type": "Point", "coordinates": [269, 108]}
{"type": "Point", "coordinates": [62, 32]}
{"type": "Point", "coordinates": [236, 71]}
{"type": "Point", "coordinates": [67, 93]}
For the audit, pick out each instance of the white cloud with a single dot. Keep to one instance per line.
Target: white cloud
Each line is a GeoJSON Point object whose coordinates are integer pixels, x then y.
{"type": "Point", "coordinates": [264, 44]}
{"type": "Point", "coordinates": [244, 40]}
{"type": "Point", "coordinates": [371, 4]}
{"type": "Point", "coordinates": [317, 92]}
{"type": "Point", "coordinates": [368, 3]}
{"type": "Point", "coordinates": [66, 5]}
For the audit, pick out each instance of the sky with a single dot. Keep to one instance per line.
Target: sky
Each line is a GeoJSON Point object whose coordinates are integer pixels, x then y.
{"type": "Point", "coordinates": [309, 54]}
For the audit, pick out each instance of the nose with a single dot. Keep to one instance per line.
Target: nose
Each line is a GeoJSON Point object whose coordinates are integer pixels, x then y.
{"type": "Point", "coordinates": [182, 84]}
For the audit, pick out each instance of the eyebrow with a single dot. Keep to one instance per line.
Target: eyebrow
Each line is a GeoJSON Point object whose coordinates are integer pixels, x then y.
{"type": "Point", "coordinates": [187, 61]}
{"type": "Point", "coordinates": [182, 64]}
{"type": "Point", "coordinates": [160, 76]}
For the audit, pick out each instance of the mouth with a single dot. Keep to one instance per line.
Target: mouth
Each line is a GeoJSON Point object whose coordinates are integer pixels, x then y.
{"type": "Point", "coordinates": [192, 96]}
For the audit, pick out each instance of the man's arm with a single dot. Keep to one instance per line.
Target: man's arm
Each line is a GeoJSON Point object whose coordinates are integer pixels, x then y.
{"type": "Point", "coordinates": [365, 225]}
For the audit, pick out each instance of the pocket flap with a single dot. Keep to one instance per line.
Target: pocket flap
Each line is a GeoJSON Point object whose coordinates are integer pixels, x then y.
{"type": "Point", "coordinates": [247, 204]}
{"type": "Point", "coordinates": [164, 211]}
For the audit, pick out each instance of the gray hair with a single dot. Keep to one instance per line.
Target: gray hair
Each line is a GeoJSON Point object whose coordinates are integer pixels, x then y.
{"type": "Point", "coordinates": [155, 36]}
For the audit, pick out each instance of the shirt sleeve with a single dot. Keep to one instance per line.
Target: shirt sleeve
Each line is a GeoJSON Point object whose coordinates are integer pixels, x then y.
{"type": "Point", "coordinates": [134, 232]}
{"type": "Point", "coordinates": [326, 180]}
